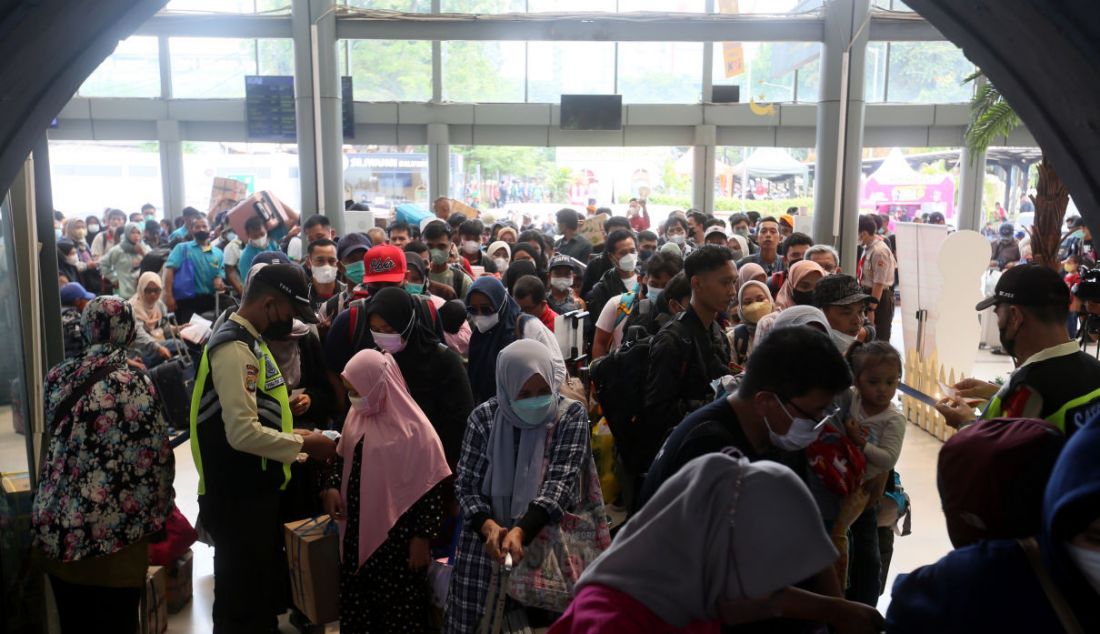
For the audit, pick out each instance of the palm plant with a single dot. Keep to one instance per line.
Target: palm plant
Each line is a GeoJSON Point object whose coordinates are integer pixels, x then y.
{"type": "Point", "coordinates": [992, 118]}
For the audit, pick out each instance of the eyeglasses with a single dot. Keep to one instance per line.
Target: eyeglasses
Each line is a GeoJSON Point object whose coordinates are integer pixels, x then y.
{"type": "Point", "coordinates": [827, 414]}
{"type": "Point", "coordinates": [480, 310]}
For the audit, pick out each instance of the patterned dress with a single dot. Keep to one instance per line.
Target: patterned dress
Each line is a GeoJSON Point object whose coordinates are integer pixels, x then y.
{"type": "Point", "coordinates": [385, 595]}
{"type": "Point", "coordinates": [560, 491]}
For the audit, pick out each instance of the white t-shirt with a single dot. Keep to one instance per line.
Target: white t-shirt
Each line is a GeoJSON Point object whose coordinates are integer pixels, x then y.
{"type": "Point", "coordinates": [606, 322]}
{"type": "Point", "coordinates": [534, 329]}
{"type": "Point", "coordinates": [231, 254]}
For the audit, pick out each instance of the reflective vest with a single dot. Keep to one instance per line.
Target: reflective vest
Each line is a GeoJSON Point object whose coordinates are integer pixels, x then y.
{"type": "Point", "coordinates": [226, 468]}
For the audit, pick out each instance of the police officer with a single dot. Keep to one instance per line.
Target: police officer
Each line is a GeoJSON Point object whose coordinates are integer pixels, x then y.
{"type": "Point", "coordinates": [1054, 379]}
{"type": "Point", "coordinates": [243, 443]}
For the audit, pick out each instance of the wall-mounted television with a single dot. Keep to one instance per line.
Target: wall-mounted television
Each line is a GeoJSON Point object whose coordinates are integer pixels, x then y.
{"type": "Point", "coordinates": [591, 112]}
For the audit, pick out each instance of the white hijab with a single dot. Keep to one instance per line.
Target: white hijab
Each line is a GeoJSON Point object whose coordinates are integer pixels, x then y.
{"type": "Point", "coordinates": [720, 528]}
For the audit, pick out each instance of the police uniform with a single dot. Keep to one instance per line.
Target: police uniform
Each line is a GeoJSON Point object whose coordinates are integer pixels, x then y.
{"type": "Point", "coordinates": [243, 444]}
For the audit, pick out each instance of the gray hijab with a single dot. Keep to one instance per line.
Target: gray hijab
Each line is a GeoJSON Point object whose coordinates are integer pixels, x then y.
{"type": "Point", "coordinates": [513, 477]}
{"type": "Point", "coordinates": [720, 528]}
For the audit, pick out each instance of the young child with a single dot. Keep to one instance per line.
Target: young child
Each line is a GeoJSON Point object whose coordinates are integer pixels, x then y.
{"type": "Point", "coordinates": [877, 426]}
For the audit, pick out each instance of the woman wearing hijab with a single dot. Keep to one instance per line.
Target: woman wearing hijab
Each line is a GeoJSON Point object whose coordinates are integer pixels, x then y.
{"type": "Point", "coordinates": [86, 264]}
{"type": "Point", "coordinates": [519, 471]}
{"type": "Point", "coordinates": [721, 542]}
{"type": "Point", "coordinates": [798, 289]}
{"type": "Point", "coordinates": [500, 252]}
{"type": "Point", "coordinates": [122, 263]}
{"type": "Point", "coordinates": [434, 373]}
{"type": "Point", "coordinates": [516, 270]}
{"type": "Point", "coordinates": [106, 485]}
{"type": "Point", "coordinates": [751, 272]}
{"type": "Point", "coordinates": [525, 251]}
{"type": "Point", "coordinates": [67, 261]}
{"type": "Point", "coordinates": [754, 303]}
{"type": "Point", "coordinates": [794, 316]}
{"type": "Point", "coordinates": [493, 314]}
{"type": "Point", "coordinates": [152, 328]}
{"type": "Point", "coordinates": [740, 247]}
{"type": "Point", "coordinates": [385, 492]}
{"type": "Point", "coordinates": [994, 586]}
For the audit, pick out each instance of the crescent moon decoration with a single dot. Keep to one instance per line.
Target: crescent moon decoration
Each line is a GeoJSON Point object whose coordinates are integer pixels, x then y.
{"type": "Point", "coordinates": [765, 110]}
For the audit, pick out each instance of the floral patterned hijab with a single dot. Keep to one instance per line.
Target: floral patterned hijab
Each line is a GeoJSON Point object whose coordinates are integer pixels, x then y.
{"type": "Point", "coordinates": [107, 481]}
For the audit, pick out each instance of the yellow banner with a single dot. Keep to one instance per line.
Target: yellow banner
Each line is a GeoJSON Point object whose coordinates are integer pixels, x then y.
{"type": "Point", "coordinates": [733, 56]}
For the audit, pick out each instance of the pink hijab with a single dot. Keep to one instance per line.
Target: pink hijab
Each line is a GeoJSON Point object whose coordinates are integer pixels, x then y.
{"type": "Point", "coordinates": [802, 268]}
{"type": "Point", "coordinates": [402, 456]}
{"type": "Point", "coordinates": [750, 272]}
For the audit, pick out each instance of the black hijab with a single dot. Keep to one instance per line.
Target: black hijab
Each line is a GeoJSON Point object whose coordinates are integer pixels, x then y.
{"type": "Point", "coordinates": [517, 270]}
{"type": "Point", "coordinates": [65, 247]}
{"type": "Point", "coordinates": [397, 308]}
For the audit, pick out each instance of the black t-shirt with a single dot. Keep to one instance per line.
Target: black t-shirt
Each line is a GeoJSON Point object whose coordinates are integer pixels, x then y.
{"type": "Point", "coordinates": [709, 429]}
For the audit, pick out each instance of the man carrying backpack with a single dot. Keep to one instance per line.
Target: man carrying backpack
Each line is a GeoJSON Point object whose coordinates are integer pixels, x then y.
{"type": "Point", "coordinates": [687, 355]}
{"type": "Point", "coordinates": [631, 308]}
{"type": "Point", "coordinates": [1054, 379]}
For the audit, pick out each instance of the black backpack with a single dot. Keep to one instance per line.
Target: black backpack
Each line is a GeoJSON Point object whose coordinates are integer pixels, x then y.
{"type": "Point", "coordinates": [154, 260]}
{"type": "Point", "coordinates": [620, 379]}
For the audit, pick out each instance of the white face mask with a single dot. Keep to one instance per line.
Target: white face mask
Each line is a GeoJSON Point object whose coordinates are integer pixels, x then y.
{"type": "Point", "coordinates": [470, 246]}
{"type": "Point", "coordinates": [841, 340]}
{"type": "Point", "coordinates": [501, 264]}
{"type": "Point", "coordinates": [71, 259]}
{"type": "Point", "coordinates": [259, 243]}
{"type": "Point", "coordinates": [357, 402]}
{"type": "Point", "coordinates": [389, 342]}
{"type": "Point", "coordinates": [485, 323]}
{"type": "Point", "coordinates": [628, 262]}
{"type": "Point", "coordinates": [324, 274]}
{"type": "Point", "coordinates": [678, 238]}
{"type": "Point", "coordinates": [1088, 562]}
{"type": "Point", "coordinates": [652, 292]}
{"type": "Point", "coordinates": [561, 283]}
{"type": "Point", "coordinates": [802, 432]}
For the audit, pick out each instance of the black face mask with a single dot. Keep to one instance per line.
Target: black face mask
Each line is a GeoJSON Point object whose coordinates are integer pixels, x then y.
{"type": "Point", "coordinates": [201, 236]}
{"type": "Point", "coordinates": [802, 298]}
{"type": "Point", "coordinates": [645, 254]}
{"type": "Point", "coordinates": [278, 330]}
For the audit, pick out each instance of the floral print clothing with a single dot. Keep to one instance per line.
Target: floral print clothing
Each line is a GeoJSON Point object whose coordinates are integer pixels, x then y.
{"type": "Point", "coordinates": [107, 480]}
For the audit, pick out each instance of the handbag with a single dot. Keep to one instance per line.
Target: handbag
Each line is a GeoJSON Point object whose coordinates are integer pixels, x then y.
{"type": "Point", "coordinates": [183, 281]}
{"type": "Point", "coordinates": [558, 555]}
{"type": "Point", "coordinates": [499, 617]}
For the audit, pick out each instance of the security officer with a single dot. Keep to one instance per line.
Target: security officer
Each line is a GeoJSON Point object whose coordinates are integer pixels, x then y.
{"type": "Point", "coordinates": [1054, 379]}
{"type": "Point", "coordinates": [243, 444]}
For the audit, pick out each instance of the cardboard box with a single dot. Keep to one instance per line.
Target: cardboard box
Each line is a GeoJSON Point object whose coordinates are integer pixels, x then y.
{"type": "Point", "coordinates": [179, 582]}
{"type": "Point", "coordinates": [225, 194]}
{"type": "Point", "coordinates": [592, 228]}
{"type": "Point", "coordinates": [154, 604]}
{"type": "Point", "coordinates": [313, 555]}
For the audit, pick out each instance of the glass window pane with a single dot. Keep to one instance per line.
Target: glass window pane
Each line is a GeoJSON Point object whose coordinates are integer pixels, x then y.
{"type": "Point", "coordinates": [775, 6]}
{"type": "Point", "coordinates": [768, 73]}
{"type": "Point", "coordinates": [264, 166]}
{"type": "Point", "coordinates": [391, 70]}
{"type": "Point", "coordinates": [483, 71]}
{"type": "Point", "coordinates": [660, 72]}
{"type": "Point", "coordinates": [276, 56]}
{"type": "Point", "coordinates": [133, 70]}
{"type": "Point", "coordinates": [94, 175]}
{"type": "Point", "coordinates": [482, 6]}
{"type": "Point", "coordinates": [211, 67]}
{"type": "Point", "coordinates": [554, 68]}
{"type": "Point", "coordinates": [405, 6]}
{"type": "Point", "coordinates": [538, 180]}
{"type": "Point", "coordinates": [874, 72]}
{"type": "Point", "coordinates": [384, 176]}
{"type": "Point", "coordinates": [737, 189]}
{"type": "Point", "coordinates": [671, 6]}
{"type": "Point", "coordinates": [213, 6]}
{"type": "Point", "coordinates": [570, 6]}
{"type": "Point", "coordinates": [928, 72]}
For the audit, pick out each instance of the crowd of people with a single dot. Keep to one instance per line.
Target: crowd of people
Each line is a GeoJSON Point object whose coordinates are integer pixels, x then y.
{"type": "Point", "coordinates": [436, 389]}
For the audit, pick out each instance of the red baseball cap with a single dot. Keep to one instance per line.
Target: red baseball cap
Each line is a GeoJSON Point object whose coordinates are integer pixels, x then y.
{"type": "Point", "coordinates": [384, 263]}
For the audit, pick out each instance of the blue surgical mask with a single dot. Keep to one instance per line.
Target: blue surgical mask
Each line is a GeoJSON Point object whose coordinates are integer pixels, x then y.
{"type": "Point", "coordinates": [354, 272]}
{"type": "Point", "coordinates": [414, 289]}
{"type": "Point", "coordinates": [533, 411]}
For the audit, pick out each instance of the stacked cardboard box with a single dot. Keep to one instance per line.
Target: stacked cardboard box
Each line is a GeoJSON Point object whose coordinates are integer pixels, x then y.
{"type": "Point", "coordinates": [154, 603]}
{"type": "Point", "coordinates": [179, 582]}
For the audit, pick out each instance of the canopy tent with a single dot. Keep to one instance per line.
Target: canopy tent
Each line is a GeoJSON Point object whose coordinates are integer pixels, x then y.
{"type": "Point", "coordinates": [771, 163]}
{"type": "Point", "coordinates": [895, 186]}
